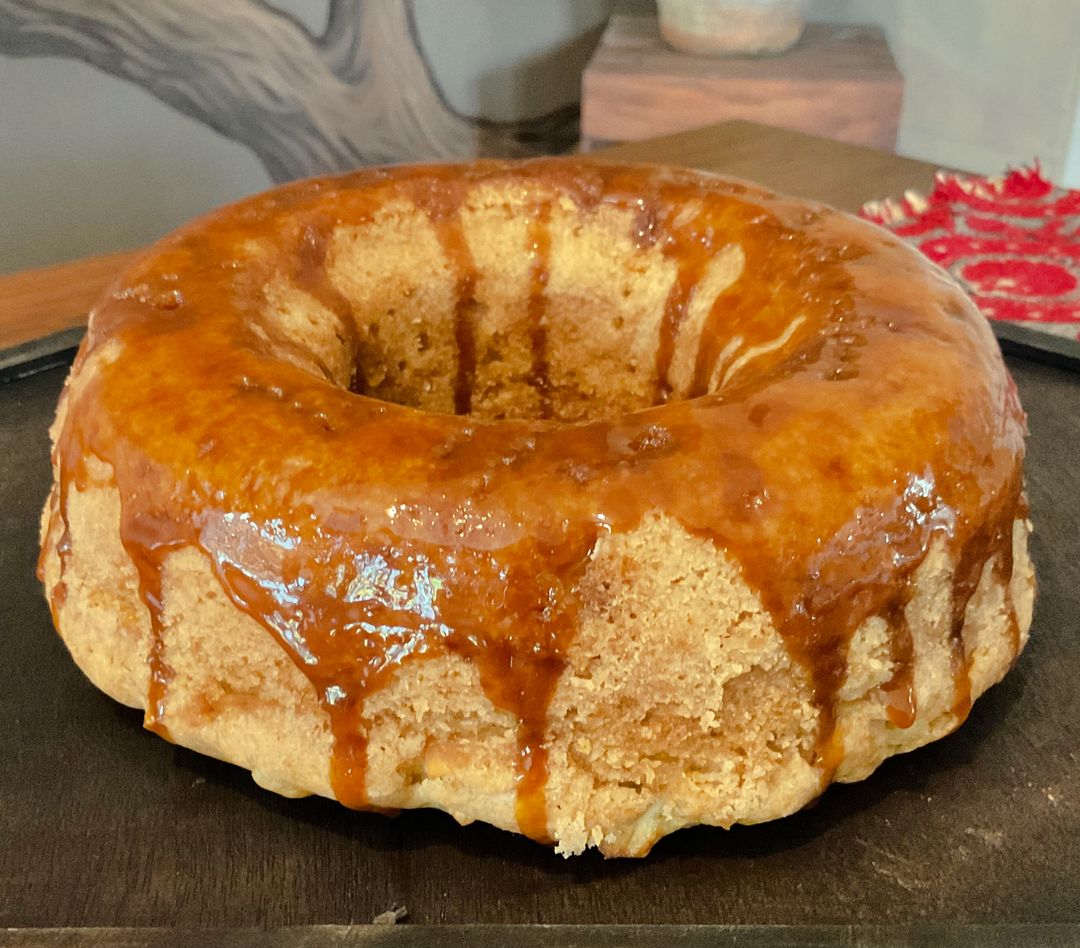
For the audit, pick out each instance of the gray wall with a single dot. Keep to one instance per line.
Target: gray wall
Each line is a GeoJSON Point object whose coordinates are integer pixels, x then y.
{"type": "Point", "coordinates": [89, 163]}
{"type": "Point", "coordinates": [987, 82]}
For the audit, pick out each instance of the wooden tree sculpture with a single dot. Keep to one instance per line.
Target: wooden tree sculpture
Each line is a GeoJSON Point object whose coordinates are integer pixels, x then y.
{"type": "Point", "coordinates": [361, 93]}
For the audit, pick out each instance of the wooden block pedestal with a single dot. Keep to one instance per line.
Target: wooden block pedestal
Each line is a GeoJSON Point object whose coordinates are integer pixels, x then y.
{"type": "Point", "coordinates": [838, 82]}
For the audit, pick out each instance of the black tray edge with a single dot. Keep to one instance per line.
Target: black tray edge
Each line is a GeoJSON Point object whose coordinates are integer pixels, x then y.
{"type": "Point", "coordinates": [37, 355]}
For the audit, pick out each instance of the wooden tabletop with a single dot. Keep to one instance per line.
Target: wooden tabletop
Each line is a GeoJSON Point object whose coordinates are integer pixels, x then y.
{"type": "Point", "coordinates": [104, 824]}
{"type": "Point", "coordinates": [36, 303]}
{"type": "Point", "coordinates": [846, 176]}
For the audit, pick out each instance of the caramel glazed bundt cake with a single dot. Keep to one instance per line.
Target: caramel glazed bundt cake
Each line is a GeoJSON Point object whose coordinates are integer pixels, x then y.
{"type": "Point", "coordinates": [590, 501]}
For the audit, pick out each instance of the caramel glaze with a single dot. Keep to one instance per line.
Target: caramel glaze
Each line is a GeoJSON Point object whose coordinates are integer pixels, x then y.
{"type": "Point", "coordinates": [901, 707]}
{"type": "Point", "coordinates": [825, 468]}
{"type": "Point", "coordinates": [539, 269]}
{"type": "Point", "coordinates": [310, 275]}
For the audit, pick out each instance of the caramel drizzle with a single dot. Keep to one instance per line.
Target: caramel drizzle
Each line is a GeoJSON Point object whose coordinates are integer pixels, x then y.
{"type": "Point", "coordinates": [139, 537]}
{"type": "Point", "coordinates": [817, 602]}
{"type": "Point", "coordinates": [442, 206]}
{"type": "Point", "coordinates": [539, 242]}
{"type": "Point", "coordinates": [465, 337]}
{"type": "Point", "coordinates": [730, 310]}
{"type": "Point", "coordinates": [525, 688]}
{"type": "Point", "coordinates": [313, 277]}
{"type": "Point", "coordinates": [342, 691]}
{"type": "Point", "coordinates": [691, 246]}
{"type": "Point", "coordinates": [149, 556]}
{"type": "Point", "coordinates": [990, 543]}
{"type": "Point", "coordinates": [901, 705]}
{"type": "Point", "coordinates": [691, 268]}
{"type": "Point", "coordinates": [527, 692]}
{"type": "Point", "coordinates": [524, 692]}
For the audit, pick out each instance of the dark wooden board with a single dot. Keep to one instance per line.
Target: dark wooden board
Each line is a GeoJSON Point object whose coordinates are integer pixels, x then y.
{"type": "Point", "coordinates": [103, 824]}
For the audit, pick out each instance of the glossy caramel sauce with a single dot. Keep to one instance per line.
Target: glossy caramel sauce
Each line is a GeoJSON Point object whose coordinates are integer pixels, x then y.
{"type": "Point", "coordinates": [901, 705]}
{"type": "Point", "coordinates": [539, 241]}
{"type": "Point", "coordinates": [364, 535]}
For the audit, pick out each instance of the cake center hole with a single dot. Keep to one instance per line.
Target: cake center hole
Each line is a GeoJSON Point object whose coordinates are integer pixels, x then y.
{"type": "Point", "coordinates": [559, 315]}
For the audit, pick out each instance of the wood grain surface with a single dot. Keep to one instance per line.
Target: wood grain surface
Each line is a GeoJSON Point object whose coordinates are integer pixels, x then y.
{"type": "Point", "coordinates": [35, 303]}
{"type": "Point", "coordinates": [104, 824]}
{"type": "Point", "coordinates": [844, 175]}
{"type": "Point", "coordinates": [839, 81]}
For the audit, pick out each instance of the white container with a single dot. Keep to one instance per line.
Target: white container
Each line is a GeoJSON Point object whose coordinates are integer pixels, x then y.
{"type": "Point", "coordinates": [732, 27]}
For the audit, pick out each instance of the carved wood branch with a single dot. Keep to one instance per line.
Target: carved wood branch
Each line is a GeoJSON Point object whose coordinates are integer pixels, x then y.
{"type": "Point", "coordinates": [362, 93]}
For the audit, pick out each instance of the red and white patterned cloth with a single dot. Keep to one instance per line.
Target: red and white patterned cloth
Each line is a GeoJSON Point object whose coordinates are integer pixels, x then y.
{"type": "Point", "coordinates": [1013, 242]}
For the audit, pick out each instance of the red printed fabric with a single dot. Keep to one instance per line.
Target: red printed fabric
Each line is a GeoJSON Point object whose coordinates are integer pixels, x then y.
{"type": "Point", "coordinates": [1013, 242]}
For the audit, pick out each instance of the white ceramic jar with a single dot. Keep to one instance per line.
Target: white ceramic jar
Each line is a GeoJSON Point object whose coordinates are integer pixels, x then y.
{"type": "Point", "coordinates": [732, 27]}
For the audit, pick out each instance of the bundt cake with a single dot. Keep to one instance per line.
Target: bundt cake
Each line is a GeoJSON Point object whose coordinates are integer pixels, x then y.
{"type": "Point", "coordinates": [588, 500]}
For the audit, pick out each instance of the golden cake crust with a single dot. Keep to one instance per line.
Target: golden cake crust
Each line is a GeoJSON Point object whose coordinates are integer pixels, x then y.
{"type": "Point", "coordinates": [590, 501]}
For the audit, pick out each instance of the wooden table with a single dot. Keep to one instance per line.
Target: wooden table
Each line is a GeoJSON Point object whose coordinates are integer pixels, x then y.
{"type": "Point", "coordinates": [103, 824]}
